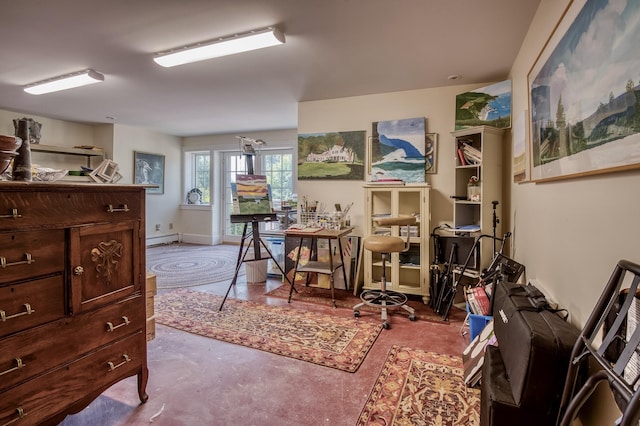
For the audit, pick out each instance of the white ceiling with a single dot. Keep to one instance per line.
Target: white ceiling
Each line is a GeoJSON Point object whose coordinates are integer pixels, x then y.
{"type": "Point", "coordinates": [334, 48]}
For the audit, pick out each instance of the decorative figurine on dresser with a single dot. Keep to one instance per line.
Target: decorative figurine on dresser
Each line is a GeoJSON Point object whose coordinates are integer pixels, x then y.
{"type": "Point", "coordinates": [72, 296]}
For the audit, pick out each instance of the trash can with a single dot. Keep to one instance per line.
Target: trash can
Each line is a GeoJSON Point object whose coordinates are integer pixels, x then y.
{"type": "Point", "coordinates": [256, 269]}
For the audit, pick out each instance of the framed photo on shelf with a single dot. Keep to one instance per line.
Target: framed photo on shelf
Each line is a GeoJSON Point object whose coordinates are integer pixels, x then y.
{"type": "Point", "coordinates": [148, 169]}
{"type": "Point", "coordinates": [106, 172]}
{"type": "Point", "coordinates": [583, 91]}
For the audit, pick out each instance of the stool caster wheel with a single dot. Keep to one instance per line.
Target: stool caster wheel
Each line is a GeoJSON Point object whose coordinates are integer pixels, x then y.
{"type": "Point", "coordinates": [356, 314]}
{"type": "Point", "coordinates": [385, 325]}
{"type": "Point", "coordinates": [412, 318]}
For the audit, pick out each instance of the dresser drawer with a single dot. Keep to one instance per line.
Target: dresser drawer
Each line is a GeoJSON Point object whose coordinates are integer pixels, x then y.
{"type": "Point", "coordinates": [31, 303]}
{"type": "Point", "coordinates": [67, 207]}
{"type": "Point", "coordinates": [49, 394]}
{"type": "Point", "coordinates": [24, 255]}
{"type": "Point", "coordinates": [34, 351]}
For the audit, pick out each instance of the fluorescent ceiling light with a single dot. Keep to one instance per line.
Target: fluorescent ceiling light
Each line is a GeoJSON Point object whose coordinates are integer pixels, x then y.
{"type": "Point", "coordinates": [238, 43]}
{"type": "Point", "coordinates": [63, 82]}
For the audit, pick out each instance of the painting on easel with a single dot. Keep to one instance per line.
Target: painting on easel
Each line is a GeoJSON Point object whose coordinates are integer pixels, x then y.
{"type": "Point", "coordinates": [251, 195]}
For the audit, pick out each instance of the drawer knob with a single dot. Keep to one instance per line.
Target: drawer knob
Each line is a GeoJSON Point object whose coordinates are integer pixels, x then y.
{"type": "Point", "coordinates": [113, 366]}
{"type": "Point", "coordinates": [19, 365]}
{"type": "Point", "coordinates": [27, 311]}
{"type": "Point", "coordinates": [20, 415]}
{"type": "Point", "coordinates": [78, 270]}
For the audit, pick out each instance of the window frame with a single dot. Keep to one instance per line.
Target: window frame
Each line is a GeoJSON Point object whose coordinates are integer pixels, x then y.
{"type": "Point", "coordinates": [190, 175]}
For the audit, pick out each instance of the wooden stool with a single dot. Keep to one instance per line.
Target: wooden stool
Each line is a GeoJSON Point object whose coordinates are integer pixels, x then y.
{"type": "Point", "coordinates": [385, 245]}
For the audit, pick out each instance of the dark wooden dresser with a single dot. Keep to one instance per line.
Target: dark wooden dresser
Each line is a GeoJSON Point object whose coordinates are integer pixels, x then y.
{"type": "Point", "coordinates": [72, 296]}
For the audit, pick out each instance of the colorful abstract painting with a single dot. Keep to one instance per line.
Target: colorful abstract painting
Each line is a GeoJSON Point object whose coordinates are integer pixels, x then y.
{"type": "Point", "coordinates": [397, 150]}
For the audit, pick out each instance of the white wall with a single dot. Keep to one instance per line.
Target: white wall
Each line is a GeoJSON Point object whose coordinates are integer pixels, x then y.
{"type": "Point", "coordinates": [54, 132]}
{"type": "Point", "coordinates": [162, 209]}
{"type": "Point", "coordinates": [570, 233]}
{"type": "Point", "coordinates": [57, 133]}
{"type": "Point", "coordinates": [358, 113]}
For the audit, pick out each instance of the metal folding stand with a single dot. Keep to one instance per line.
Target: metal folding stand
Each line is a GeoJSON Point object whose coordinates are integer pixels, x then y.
{"type": "Point", "coordinates": [256, 242]}
{"type": "Point", "coordinates": [450, 292]}
{"type": "Point", "coordinates": [617, 354]}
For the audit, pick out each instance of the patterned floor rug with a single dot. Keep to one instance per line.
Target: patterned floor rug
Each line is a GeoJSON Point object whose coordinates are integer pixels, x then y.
{"type": "Point", "coordinates": [346, 299]}
{"type": "Point", "coordinates": [340, 343]}
{"type": "Point", "coordinates": [187, 265]}
{"type": "Point", "coordinates": [421, 388]}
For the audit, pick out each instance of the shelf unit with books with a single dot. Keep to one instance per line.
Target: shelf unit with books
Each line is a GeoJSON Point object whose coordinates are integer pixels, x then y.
{"type": "Point", "coordinates": [478, 160]}
{"type": "Point", "coordinates": [406, 272]}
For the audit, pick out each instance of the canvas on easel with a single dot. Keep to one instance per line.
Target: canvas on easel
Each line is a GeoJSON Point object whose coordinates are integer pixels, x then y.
{"type": "Point", "coordinates": [251, 195]}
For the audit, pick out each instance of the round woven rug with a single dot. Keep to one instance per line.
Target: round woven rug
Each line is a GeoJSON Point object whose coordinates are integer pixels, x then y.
{"type": "Point", "coordinates": [188, 265]}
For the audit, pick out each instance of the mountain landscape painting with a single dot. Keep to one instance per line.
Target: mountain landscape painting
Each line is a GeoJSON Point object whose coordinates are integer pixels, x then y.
{"type": "Point", "coordinates": [585, 93]}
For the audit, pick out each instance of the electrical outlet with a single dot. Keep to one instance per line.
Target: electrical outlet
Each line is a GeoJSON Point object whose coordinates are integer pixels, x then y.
{"type": "Point", "coordinates": [171, 226]}
{"type": "Point", "coordinates": [157, 227]}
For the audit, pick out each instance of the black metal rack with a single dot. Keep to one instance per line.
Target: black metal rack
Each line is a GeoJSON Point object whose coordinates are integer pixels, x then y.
{"type": "Point", "coordinates": [617, 355]}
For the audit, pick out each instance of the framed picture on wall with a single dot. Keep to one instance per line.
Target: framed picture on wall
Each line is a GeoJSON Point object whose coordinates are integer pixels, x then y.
{"type": "Point", "coordinates": [584, 92]}
{"type": "Point", "coordinates": [430, 153]}
{"type": "Point", "coordinates": [486, 106]}
{"type": "Point", "coordinates": [397, 150]}
{"type": "Point", "coordinates": [331, 156]}
{"type": "Point", "coordinates": [521, 163]}
{"type": "Point", "coordinates": [148, 169]}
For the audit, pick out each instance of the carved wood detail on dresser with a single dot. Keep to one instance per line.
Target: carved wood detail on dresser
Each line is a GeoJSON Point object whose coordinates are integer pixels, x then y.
{"type": "Point", "coordinates": [72, 296]}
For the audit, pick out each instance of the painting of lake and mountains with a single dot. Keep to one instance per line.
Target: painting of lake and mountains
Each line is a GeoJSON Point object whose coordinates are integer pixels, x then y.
{"type": "Point", "coordinates": [398, 150]}
{"type": "Point", "coordinates": [334, 155]}
{"type": "Point", "coordinates": [585, 93]}
{"type": "Point", "coordinates": [486, 106]}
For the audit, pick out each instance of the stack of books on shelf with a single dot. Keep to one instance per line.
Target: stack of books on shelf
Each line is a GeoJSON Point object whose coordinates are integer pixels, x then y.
{"type": "Point", "coordinates": [468, 155]}
{"type": "Point", "coordinates": [478, 301]}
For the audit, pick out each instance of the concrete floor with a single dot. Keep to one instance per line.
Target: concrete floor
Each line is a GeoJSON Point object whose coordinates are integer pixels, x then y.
{"type": "Point", "coordinates": [196, 380]}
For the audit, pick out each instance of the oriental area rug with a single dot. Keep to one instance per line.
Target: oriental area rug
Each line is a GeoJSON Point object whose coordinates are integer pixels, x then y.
{"type": "Point", "coordinates": [346, 299]}
{"type": "Point", "coordinates": [421, 388]}
{"type": "Point", "coordinates": [340, 343]}
{"type": "Point", "coordinates": [187, 265]}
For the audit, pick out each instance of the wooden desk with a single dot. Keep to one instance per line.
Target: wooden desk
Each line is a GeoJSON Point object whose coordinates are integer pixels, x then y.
{"type": "Point", "coordinates": [327, 268]}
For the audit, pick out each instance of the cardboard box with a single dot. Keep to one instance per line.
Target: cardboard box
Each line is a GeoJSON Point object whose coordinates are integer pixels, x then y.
{"type": "Point", "coordinates": [151, 328]}
{"type": "Point", "coordinates": [152, 290]}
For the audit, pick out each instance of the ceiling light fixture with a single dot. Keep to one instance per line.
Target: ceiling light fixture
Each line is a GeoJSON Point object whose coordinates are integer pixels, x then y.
{"type": "Point", "coordinates": [238, 43]}
{"type": "Point", "coordinates": [64, 82]}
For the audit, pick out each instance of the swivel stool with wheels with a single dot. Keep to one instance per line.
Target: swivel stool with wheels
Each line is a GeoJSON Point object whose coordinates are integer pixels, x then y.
{"type": "Point", "coordinates": [385, 245]}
